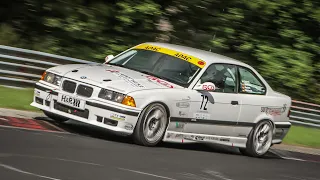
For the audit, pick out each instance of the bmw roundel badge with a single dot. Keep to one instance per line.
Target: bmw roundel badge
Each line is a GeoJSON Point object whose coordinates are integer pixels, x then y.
{"type": "Point", "coordinates": [83, 77]}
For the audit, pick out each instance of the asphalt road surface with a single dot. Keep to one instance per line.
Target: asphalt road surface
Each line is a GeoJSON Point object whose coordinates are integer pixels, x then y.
{"type": "Point", "coordinates": [87, 153]}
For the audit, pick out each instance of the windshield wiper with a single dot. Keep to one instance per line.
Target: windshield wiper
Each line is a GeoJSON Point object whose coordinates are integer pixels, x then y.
{"type": "Point", "coordinates": [120, 65]}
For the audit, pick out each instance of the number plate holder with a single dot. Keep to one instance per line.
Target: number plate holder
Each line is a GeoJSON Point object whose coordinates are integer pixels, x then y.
{"type": "Point", "coordinates": [71, 101]}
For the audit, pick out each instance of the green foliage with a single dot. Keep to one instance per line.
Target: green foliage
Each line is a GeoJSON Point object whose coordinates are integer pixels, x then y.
{"type": "Point", "coordinates": [303, 136]}
{"type": "Point", "coordinates": [86, 29]}
{"type": "Point", "coordinates": [280, 39]}
{"type": "Point", "coordinates": [16, 98]}
{"type": "Point", "coordinates": [8, 35]}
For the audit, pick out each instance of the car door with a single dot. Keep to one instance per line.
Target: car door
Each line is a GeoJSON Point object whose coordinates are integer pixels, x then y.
{"type": "Point", "coordinates": [253, 93]}
{"type": "Point", "coordinates": [215, 112]}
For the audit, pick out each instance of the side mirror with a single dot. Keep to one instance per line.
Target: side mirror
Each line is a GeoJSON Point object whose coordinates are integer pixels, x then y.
{"type": "Point", "coordinates": [207, 86]}
{"type": "Point", "coordinates": [109, 58]}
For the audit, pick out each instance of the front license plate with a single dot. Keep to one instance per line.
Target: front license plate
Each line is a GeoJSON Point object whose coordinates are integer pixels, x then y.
{"type": "Point", "coordinates": [71, 101]}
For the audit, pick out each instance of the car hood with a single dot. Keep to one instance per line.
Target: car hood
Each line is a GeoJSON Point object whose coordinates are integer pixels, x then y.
{"type": "Point", "coordinates": [112, 77]}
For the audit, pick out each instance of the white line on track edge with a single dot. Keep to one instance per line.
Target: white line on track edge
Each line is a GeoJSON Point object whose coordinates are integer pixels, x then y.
{"type": "Point", "coordinates": [53, 158]}
{"type": "Point", "coordinates": [25, 172]}
{"type": "Point", "coordinates": [139, 172]}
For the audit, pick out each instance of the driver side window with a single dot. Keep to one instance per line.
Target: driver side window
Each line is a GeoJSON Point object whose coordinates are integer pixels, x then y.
{"type": "Point", "coordinates": [223, 76]}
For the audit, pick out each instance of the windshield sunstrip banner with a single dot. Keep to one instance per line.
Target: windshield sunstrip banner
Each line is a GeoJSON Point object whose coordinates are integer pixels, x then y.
{"type": "Point", "coordinates": [196, 61]}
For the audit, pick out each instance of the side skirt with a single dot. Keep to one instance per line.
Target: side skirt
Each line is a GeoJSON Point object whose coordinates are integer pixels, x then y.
{"type": "Point", "coordinates": [181, 137]}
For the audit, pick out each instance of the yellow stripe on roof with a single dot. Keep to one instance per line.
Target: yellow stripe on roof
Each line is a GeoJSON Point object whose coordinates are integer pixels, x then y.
{"type": "Point", "coordinates": [196, 61]}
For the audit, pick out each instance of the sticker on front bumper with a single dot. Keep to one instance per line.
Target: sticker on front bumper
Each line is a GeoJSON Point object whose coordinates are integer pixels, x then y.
{"type": "Point", "coordinates": [117, 117]}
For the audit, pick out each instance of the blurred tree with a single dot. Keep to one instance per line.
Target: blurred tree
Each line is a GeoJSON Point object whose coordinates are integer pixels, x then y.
{"type": "Point", "coordinates": [279, 38]}
{"type": "Point", "coordinates": [84, 29]}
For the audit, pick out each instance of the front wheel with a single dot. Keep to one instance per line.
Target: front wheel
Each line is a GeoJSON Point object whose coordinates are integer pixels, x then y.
{"type": "Point", "coordinates": [151, 125]}
{"type": "Point", "coordinates": [259, 140]}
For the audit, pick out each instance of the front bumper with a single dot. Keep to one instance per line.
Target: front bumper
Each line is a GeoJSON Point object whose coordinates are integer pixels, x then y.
{"type": "Point", "coordinates": [98, 113]}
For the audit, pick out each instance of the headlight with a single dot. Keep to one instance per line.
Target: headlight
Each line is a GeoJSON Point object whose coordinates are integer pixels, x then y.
{"type": "Point", "coordinates": [111, 95]}
{"type": "Point", "coordinates": [116, 97]}
{"type": "Point", "coordinates": [51, 78]}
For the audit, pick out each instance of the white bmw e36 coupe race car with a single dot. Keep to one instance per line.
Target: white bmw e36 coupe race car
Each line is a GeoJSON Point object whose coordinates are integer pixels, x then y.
{"type": "Point", "coordinates": [163, 92]}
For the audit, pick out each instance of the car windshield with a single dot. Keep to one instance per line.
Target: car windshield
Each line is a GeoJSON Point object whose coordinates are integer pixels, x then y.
{"type": "Point", "coordinates": [157, 64]}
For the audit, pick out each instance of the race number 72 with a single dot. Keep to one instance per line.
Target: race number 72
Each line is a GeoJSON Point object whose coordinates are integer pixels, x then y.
{"type": "Point", "coordinates": [204, 102]}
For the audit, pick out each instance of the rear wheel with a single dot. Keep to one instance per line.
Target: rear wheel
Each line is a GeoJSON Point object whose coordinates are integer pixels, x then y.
{"type": "Point", "coordinates": [56, 117]}
{"type": "Point", "coordinates": [151, 125]}
{"type": "Point", "coordinates": [259, 140]}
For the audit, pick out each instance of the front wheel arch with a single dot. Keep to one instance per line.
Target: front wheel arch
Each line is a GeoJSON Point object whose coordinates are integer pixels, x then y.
{"type": "Point", "coordinates": [160, 102]}
{"type": "Point", "coordinates": [138, 133]}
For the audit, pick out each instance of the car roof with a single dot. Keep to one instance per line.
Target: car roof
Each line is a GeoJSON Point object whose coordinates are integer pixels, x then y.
{"type": "Point", "coordinates": [207, 56]}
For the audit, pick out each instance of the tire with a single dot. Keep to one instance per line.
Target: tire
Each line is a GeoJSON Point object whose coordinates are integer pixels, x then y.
{"type": "Point", "coordinates": [56, 117]}
{"type": "Point", "coordinates": [260, 136]}
{"type": "Point", "coordinates": [153, 120]}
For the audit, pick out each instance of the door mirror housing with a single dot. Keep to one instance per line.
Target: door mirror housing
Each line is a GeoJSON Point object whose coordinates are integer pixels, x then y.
{"type": "Point", "coordinates": [207, 86]}
{"type": "Point", "coordinates": [109, 58]}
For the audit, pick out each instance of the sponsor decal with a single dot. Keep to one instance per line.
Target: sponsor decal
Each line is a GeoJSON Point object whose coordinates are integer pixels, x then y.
{"type": "Point", "coordinates": [182, 104]}
{"type": "Point", "coordinates": [225, 139]}
{"type": "Point", "coordinates": [70, 101]}
{"type": "Point", "coordinates": [174, 136]}
{"type": "Point", "coordinates": [160, 81]}
{"type": "Point", "coordinates": [274, 111]}
{"type": "Point", "coordinates": [212, 138]}
{"type": "Point", "coordinates": [126, 78]}
{"type": "Point", "coordinates": [195, 138]}
{"type": "Point", "coordinates": [208, 86]}
{"type": "Point", "coordinates": [201, 115]}
{"type": "Point", "coordinates": [180, 125]}
{"type": "Point", "coordinates": [128, 126]}
{"type": "Point", "coordinates": [111, 70]}
{"type": "Point", "coordinates": [117, 117]}
{"type": "Point", "coordinates": [169, 135]}
{"type": "Point", "coordinates": [37, 93]}
{"type": "Point", "coordinates": [181, 113]}
{"type": "Point", "coordinates": [196, 61]}
{"type": "Point", "coordinates": [199, 138]}
{"type": "Point", "coordinates": [48, 98]}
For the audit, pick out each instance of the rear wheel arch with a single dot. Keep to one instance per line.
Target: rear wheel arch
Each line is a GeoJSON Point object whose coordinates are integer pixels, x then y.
{"type": "Point", "coordinates": [250, 145]}
{"type": "Point", "coordinates": [264, 118]}
{"type": "Point", "coordinates": [270, 120]}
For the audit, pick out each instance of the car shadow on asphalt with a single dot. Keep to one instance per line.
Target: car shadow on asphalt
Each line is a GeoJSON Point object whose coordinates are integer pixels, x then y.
{"type": "Point", "coordinates": [82, 129]}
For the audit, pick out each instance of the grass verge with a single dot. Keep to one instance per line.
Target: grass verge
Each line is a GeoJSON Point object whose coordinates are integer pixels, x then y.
{"type": "Point", "coordinates": [19, 99]}
{"type": "Point", "coordinates": [303, 136]}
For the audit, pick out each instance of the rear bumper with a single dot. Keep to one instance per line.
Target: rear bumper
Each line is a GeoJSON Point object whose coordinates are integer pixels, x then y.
{"type": "Point", "coordinates": [281, 130]}
{"type": "Point", "coordinates": [101, 114]}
